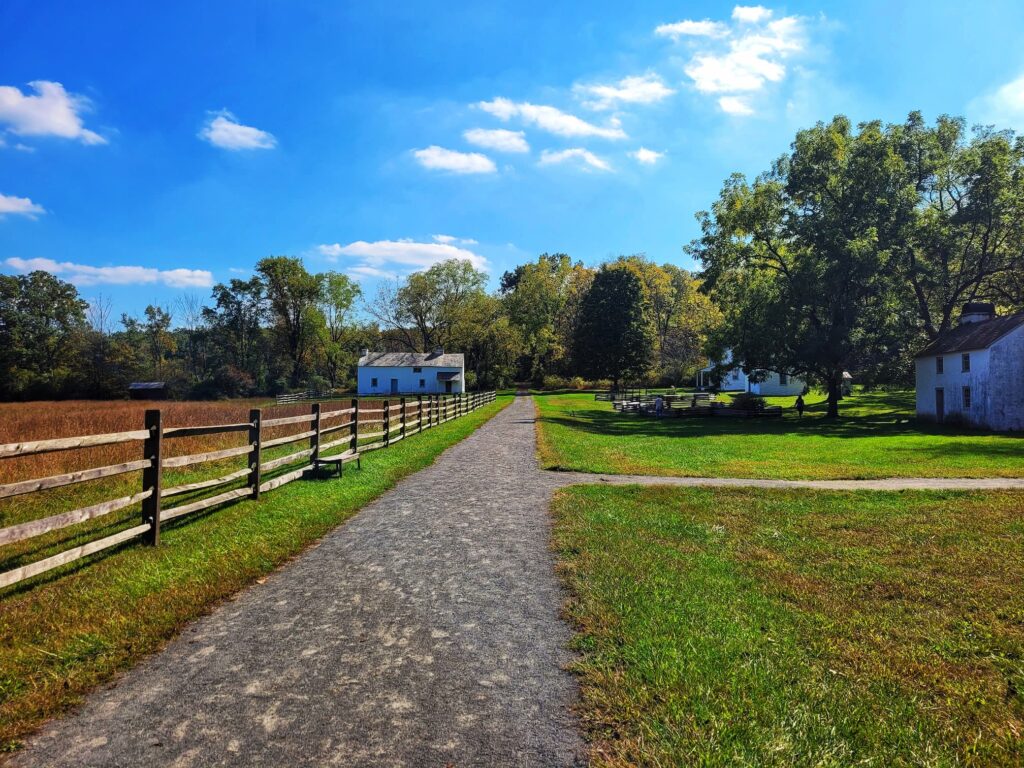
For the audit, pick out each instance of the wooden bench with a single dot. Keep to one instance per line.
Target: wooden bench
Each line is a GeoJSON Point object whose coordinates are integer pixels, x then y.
{"type": "Point", "coordinates": [338, 462]}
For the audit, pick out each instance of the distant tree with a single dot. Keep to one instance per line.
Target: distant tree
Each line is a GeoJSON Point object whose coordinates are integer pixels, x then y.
{"type": "Point", "coordinates": [293, 295]}
{"type": "Point", "coordinates": [42, 325]}
{"type": "Point", "coordinates": [430, 308]}
{"type": "Point", "coordinates": [235, 323]}
{"type": "Point", "coordinates": [615, 335]}
{"type": "Point", "coordinates": [338, 296]}
{"type": "Point", "coordinates": [542, 303]}
{"type": "Point", "coordinates": [804, 263]}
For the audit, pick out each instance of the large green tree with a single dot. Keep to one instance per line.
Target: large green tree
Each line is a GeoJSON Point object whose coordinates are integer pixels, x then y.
{"type": "Point", "coordinates": [967, 241]}
{"type": "Point", "coordinates": [805, 263]}
{"type": "Point", "coordinates": [615, 335]}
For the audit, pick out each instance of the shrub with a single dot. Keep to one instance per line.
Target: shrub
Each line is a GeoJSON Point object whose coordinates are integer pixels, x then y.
{"type": "Point", "coordinates": [745, 401]}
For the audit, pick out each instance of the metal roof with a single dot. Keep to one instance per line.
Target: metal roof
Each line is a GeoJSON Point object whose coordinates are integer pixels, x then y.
{"type": "Point", "coordinates": [967, 336]}
{"type": "Point", "coordinates": [147, 385]}
{"type": "Point", "coordinates": [412, 360]}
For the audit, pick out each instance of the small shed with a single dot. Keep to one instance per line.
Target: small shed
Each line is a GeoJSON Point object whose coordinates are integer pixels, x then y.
{"type": "Point", "coordinates": [147, 390]}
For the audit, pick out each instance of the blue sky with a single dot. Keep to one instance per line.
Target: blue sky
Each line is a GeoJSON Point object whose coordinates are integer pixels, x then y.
{"type": "Point", "coordinates": [148, 150]}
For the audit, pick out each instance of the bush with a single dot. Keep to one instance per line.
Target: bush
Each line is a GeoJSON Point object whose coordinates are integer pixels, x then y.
{"type": "Point", "coordinates": [745, 401]}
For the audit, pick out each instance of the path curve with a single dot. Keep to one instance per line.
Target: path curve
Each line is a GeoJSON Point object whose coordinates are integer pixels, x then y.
{"type": "Point", "coordinates": [423, 632]}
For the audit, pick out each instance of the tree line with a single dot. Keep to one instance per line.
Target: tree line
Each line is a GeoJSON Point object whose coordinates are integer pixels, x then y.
{"type": "Point", "coordinates": [853, 250]}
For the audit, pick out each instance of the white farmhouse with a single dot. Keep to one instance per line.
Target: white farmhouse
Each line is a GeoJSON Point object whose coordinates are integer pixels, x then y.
{"type": "Point", "coordinates": [411, 373]}
{"type": "Point", "coordinates": [771, 384]}
{"type": "Point", "coordinates": [974, 373]}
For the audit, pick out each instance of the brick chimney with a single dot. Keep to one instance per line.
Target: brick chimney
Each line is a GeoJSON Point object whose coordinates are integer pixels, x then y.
{"type": "Point", "coordinates": [977, 312]}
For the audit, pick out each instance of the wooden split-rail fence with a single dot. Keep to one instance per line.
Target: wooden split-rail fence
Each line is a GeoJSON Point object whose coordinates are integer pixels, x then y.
{"type": "Point", "coordinates": [392, 423]}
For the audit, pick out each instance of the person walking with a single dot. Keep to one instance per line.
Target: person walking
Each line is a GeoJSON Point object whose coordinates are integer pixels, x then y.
{"type": "Point", "coordinates": [659, 404]}
{"type": "Point", "coordinates": [800, 406]}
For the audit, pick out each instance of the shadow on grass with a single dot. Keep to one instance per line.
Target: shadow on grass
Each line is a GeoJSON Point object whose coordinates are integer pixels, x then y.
{"type": "Point", "coordinates": [868, 416]}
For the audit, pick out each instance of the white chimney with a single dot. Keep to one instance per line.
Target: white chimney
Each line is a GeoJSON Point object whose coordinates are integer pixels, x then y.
{"type": "Point", "coordinates": [977, 312]}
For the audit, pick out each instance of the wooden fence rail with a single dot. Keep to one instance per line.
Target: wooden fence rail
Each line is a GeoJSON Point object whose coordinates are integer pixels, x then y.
{"type": "Point", "coordinates": [393, 421]}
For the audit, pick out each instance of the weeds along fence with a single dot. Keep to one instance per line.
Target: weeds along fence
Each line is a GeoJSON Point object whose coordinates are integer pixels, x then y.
{"type": "Point", "coordinates": [174, 485]}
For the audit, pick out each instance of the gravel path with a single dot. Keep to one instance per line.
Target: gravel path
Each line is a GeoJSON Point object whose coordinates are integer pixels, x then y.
{"type": "Point", "coordinates": [885, 484]}
{"type": "Point", "coordinates": [424, 632]}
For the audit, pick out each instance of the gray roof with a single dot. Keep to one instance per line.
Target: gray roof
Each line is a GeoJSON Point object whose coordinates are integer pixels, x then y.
{"type": "Point", "coordinates": [973, 335]}
{"type": "Point", "coordinates": [147, 385]}
{"type": "Point", "coordinates": [411, 359]}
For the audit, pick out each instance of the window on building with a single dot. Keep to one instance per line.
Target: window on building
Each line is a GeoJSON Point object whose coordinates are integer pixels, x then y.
{"type": "Point", "coordinates": [417, 370]}
{"type": "Point", "coordinates": [373, 382]}
{"type": "Point", "coordinates": [735, 375]}
{"type": "Point", "coordinates": [967, 398]}
{"type": "Point", "coordinates": [965, 362]}
{"type": "Point", "coordinates": [423, 383]}
{"type": "Point", "coordinates": [783, 380]}
{"type": "Point", "coordinates": [938, 365]}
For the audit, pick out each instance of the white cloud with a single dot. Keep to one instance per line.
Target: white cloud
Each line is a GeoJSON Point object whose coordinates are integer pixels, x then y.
{"type": "Point", "coordinates": [550, 157]}
{"type": "Point", "coordinates": [51, 112]}
{"type": "Point", "coordinates": [83, 274]}
{"type": "Point", "coordinates": [499, 139]}
{"type": "Point", "coordinates": [747, 56]}
{"type": "Point", "coordinates": [641, 89]}
{"type": "Point", "coordinates": [441, 159]}
{"type": "Point", "coordinates": [391, 258]}
{"type": "Point", "coordinates": [735, 105]}
{"type": "Point", "coordinates": [750, 14]}
{"type": "Point", "coordinates": [550, 119]}
{"type": "Point", "coordinates": [1003, 107]}
{"type": "Point", "coordinates": [223, 130]}
{"type": "Point", "coordinates": [19, 206]}
{"type": "Point", "coordinates": [449, 239]}
{"type": "Point", "coordinates": [704, 28]}
{"type": "Point", "coordinates": [646, 156]}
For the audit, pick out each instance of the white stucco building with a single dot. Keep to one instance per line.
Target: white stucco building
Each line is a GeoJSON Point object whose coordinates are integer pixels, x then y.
{"type": "Point", "coordinates": [771, 384]}
{"type": "Point", "coordinates": [974, 373]}
{"type": "Point", "coordinates": [411, 373]}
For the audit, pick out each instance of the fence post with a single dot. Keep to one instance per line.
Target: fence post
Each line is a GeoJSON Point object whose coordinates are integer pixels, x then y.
{"type": "Point", "coordinates": [419, 413]}
{"type": "Point", "coordinates": [387, 423]}
{"type": "Point", "coordinates": [355, 425]}
{"type": "Point", "coordinates": [314, 441]}
{"type": "Point", "coordinates": [255, 450]}
{"type": "Point", "coordinates": [152, 476]}
{"type": "Point", "coordinates": [402, 417]}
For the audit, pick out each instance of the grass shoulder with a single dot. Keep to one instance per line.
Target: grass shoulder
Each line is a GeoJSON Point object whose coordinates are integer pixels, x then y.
{"type": "Point", "coordinates": [64, 633]}
{"type": "Point", "coordinates": [743, 627]}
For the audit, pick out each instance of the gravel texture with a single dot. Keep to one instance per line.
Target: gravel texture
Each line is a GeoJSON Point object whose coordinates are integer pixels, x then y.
{"type": "Point", "coordinates": [423, 632]}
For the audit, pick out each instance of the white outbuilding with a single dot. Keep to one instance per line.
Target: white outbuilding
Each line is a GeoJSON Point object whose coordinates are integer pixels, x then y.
{"type": "Point", "coordinates": [411, 373]}
{"type": "Point", "coordinates": [974, 374]}
{"type": "Point", "coordinates": [764, 383]}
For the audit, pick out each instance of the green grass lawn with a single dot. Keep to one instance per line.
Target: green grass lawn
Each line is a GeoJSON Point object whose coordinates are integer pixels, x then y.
{"type": "Point", "coordinates": [797, 628]}
{"type": "Point", "coordinates": [66, 631]}
{"type": "Point", "coordinates": [875, 437]}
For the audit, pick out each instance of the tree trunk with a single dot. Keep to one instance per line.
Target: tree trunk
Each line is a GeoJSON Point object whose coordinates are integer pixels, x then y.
{"type": "Point", "coordinates": [834, 384]}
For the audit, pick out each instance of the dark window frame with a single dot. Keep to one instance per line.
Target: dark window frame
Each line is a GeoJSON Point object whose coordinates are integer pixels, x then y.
{"type": "Point", "coordinates": [373, 382]}
{"type": "Point", "coordinates": [940, 365]}
{"type": "Point", "coordinates": [967, 398]}
{"type": "Point", "coordinates": [965, 362]}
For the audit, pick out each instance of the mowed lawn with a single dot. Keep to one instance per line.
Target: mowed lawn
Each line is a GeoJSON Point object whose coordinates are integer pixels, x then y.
{"type": "Point", "coordinates": [64, 632]}
{"type": "Point", "coordinates": [876, 436]}
{"type": "Point", "coordinates": [797, 628]}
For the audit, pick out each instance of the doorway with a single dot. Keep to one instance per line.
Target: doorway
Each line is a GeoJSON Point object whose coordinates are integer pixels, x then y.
{"type": "Point", "coordinates": [448, 387]}
{"type": "Point", "coordinates": [394, 386]}
{"type": "Point", "coordinates": [940, 405]}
